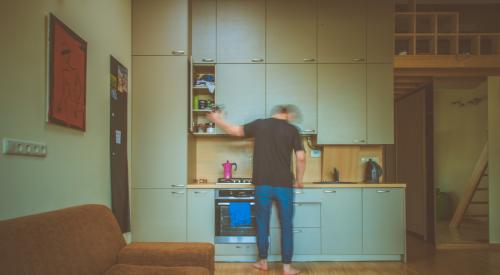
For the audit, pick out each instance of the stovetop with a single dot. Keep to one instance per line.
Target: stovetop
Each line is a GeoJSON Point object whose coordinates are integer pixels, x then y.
{"type": "Point", "coordinates": [234, 181]}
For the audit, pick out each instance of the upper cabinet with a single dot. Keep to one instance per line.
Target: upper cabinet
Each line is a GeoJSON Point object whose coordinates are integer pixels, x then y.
{"type": "Point", "coordinates": [241, 28]}
{"type": "Point", "coordinates": [380, 31]}
{"type": "Point", "coordinates": [159, 27]}
{"type": "Point", "coordinates": [291, 31]}
{"type": "Point", "coordinates": [342, 31]}
{"type": "Point", "coordinates": [241, 89]}
{"type": "Point", "coordinates": [341, 104]}
{"type": "Point", "coordinates": [355, 31]}
{"type": "Point", "coordinates": [203, 30]}
{"type": "Point", "coordinates": [293, 84]}
{"type": "Point", "coordinates": [380, 104]}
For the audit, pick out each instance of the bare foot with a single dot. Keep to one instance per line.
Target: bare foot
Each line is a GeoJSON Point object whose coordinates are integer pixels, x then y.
{"type": "Point", "coordinates": [289, 270]}
{"type": "Point", "coordinates": [261, 265]}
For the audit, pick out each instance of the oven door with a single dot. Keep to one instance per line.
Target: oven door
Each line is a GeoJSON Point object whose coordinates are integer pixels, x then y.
{"type": "Point", "coordinates": [224, 232]}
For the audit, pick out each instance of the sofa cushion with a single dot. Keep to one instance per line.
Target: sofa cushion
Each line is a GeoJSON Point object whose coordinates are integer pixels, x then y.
{"type": "Point", "coordinates": [168, 254]}
{"type": "Point", "coordinates": [128, 269]}
{"type": "Point", "coordinates": [78, 240]}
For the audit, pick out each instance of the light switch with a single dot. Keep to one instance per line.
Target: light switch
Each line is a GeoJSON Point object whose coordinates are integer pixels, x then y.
{"type": "Point", "coordinates": [24, 147]}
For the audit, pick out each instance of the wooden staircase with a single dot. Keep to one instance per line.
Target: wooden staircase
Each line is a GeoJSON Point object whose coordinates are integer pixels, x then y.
{"type": "Point", "coordinates": [472, 187]}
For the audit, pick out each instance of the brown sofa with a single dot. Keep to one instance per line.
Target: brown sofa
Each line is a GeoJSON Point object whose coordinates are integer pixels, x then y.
{"type": "Point", "coordinates": [87, 240]}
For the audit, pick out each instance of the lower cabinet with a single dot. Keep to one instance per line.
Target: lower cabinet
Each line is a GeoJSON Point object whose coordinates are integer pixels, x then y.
{"type": "Point", "coordinates": [341, 221]}
{"type": "Point", "coordinates": [384, 221]}
{"type": "Point", "coordinates": [306, 241]}
{"type": "Point", "coordinates": [200, 215]}
{"type": "Point", "coordinates": [159, 215]}
{"type": "Point", "coordinates": [244, 249]}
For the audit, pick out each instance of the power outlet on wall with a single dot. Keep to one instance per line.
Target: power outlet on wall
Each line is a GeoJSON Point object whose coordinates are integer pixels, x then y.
{"type": "Point", "coordinates": [24, 148]}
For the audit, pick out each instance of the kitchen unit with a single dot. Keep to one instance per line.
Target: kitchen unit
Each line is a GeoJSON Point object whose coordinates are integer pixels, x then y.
{"type": "Point", "coordinates": [332, 222]}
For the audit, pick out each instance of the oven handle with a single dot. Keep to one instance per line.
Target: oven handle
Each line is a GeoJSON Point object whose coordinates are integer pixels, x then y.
{"type": "Point", "coordinates": [227, 203]}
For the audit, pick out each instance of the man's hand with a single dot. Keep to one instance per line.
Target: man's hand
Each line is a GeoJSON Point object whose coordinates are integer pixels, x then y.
{"type": "Point", "coordinates": [299, 184]}
{"type": "Point", "coordinates": [215, 116]}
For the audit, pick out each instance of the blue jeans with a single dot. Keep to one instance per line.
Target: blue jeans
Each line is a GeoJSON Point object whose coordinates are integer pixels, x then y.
{"type": "Point", "coordinates": [264, 196]}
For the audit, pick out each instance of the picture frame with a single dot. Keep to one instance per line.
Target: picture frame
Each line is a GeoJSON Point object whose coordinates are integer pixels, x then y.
{"type": "Point", "coordinates": [67, 76]}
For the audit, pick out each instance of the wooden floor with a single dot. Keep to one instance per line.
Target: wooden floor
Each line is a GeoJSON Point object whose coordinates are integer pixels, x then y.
{"type": "Point", "coordinates": [422, 259]}
{"type": "Point", "coordinates": [470, 231]}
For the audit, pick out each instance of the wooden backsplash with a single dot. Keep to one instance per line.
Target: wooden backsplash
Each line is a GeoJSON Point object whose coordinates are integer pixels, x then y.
{"type": "Point", "coordinates": [211, 152]}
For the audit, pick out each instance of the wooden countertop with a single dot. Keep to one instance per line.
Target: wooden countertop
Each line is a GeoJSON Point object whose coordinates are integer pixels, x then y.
{"type": "Point", "coordinates": [306, 185]}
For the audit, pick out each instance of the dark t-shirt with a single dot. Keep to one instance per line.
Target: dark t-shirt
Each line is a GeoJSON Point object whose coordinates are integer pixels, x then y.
{"type": "Point", "coordinates": [275, 140]}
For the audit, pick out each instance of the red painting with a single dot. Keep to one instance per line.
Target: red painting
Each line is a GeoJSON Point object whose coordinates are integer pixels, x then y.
{"type": "Point", "coordinates": [68, 66]}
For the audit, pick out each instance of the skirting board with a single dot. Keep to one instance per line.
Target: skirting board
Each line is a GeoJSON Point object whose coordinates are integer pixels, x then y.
{"type": "Point", "coordinates": [317, 258]}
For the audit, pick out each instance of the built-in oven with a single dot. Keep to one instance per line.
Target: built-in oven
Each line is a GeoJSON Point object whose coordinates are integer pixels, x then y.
{"type": "Point", "coordinates": [224, 232]}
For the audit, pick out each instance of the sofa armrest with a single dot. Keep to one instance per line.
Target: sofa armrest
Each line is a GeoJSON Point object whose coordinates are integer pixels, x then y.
{"type": "Point", "coordinates": [168, 254]}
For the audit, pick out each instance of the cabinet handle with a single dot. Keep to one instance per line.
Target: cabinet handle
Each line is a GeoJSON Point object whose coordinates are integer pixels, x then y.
{"type": "Point", "coordinates": [297, 231]}
{"type": "Point", "coordinates": [309, 59]}
{"type": "Point", "coordinates": [178, 52]}
{"type": "Point", "coordinates": [383, 191]}
{"type": "Point", "coordinates": [258, 60]}
{"type": "Point", "coordinates": [177, 192]}
{"type": "Point", "coordinates": [299, 192]}
{"type": "Point", "coordinates": [359, 141]}
{"type": "Point", "coordinates": [358, 59]}
{"type": "Point", "coordinates": [207, 60]}
{"type": "Point", "coordinates": [329, 191]}
{"type": "Point", "coordinates": [200, 192]}
{"type": "Point", "coordinates": [177, 185]}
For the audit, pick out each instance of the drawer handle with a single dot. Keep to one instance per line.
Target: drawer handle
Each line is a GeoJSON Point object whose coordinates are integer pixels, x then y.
{"type": "Point", "coordinates": [227, 203]}
{"type": "Point", "coordinates": [299, 192]}
{"type": "Point", "coordinates": [309, 59]}
{"type": "Point", "coordinates": [358, 59]}
{"type": "Point", "coordinates": [177, 193]}
{"type": "Point", "coordinates": [177, 185]}
{"type": "Point", "coordinates": [297, 231]}
{"type": "Point", "coordinates": [178, 52]}
{"type": "Point", "coordinates": [329, 191]}
{"type": "Point", "coordinates": [297, 204]}
{"type": "Point", "coordinates": [207, 60]}
{"type": "Point", "coordinates": [383, 191]}
{"type": "Point", "coordinates": [200, 192]}
{"type": "Point", "coordinates": [308, 131]}
{"type": "Point", "coordinates": [359, 141]}
{"type": "Point", "coordinates": [258, 60]}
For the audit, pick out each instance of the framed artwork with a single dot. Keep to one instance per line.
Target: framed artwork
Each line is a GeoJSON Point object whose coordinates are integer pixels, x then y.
{"type": "Point", "coordinates": [67, 76]}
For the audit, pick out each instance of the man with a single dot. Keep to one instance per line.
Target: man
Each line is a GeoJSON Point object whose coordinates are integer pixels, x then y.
{"type": "Point", "coordinates": [274, 141]}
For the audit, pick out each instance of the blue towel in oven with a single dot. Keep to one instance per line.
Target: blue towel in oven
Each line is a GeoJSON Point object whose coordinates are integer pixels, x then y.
{"type": "Point", "coordinates": [240, 214]}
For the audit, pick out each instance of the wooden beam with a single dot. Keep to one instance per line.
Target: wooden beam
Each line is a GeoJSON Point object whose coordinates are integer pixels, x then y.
{"type": "Point", "coordinates": [446, 72]}
{"type": "Point", "coordinates": [447, 61]}
{"type": "Point", "coordinates": [474, 181]}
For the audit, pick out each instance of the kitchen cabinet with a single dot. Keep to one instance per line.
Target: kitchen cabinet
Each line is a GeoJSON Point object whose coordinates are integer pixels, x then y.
{"type": "Point", "coordinates": [355, 104]}
{"type": "Point", "coordinates": [342, 31]}
{"type": "Point", "coordinates": [341, 221]}
{"type": "Point", "coordinates": [383, 221]}
{"type": "Point", "coordinates": [341, 103]}
{"type": "Point", "coordinates": [159, 215]}
{"type": "Point", "coordinates": [291, 31]}
{"type": "Point", "coordinates": [380, 31]}
{"type": "Point", "coordinates": [380, 104]}
{"type": "Point", "coordinates": [241, 89]}
{"type": "Point", "coordinates": [160, 109]}
{"type": "Point", "coordinates": [306, 241]}
{"type": "Point", "coordinates": [203, 31]}
{"type": "Point", "coordinates": [159, 27]}
{"type": "Point", "coordinates": [305, 214]}
{"type": "Point", "coordinates": [293, 84]}
{"type": "Point", "coordinates": [200, 215]}
{"type": "Point", "coordinates": [241, 28]}
{"type": "Point", "coordinates": [357, 31]}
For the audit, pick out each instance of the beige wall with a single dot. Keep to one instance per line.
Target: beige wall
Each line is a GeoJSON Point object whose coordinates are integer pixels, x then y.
{"type": "Point", "coordinates": [76, 170]}
{"type": "Point", "coordinates": [459, 135]}
{"type": "Point", "coordinates": [494, 157]}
